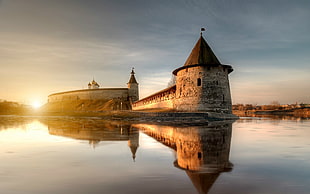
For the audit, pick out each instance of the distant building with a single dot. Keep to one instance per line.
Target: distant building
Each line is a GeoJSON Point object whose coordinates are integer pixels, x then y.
{"type": "Point", "coordinates": [93, 85]}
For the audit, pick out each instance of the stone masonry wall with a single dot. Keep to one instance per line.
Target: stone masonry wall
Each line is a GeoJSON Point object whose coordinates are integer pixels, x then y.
{"type": "Point", "coordinates": [156, 105]}
{"type": "Point", "coordinates": [188, 94]}
{"type": "Point", "coordinates": [133, 91]}
{"type": "Point", "coordinates": [90, 94]}
{"type": "Point", "coordinates": [163, 99]}
{"type": "Point", "coordinates": [203, 88]}
{"type": "Point", "coordinates": [198, 89]}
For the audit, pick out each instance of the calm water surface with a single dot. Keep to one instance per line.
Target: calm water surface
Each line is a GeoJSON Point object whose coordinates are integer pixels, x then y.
{"type": "Point", "coordinates": [88, 155]}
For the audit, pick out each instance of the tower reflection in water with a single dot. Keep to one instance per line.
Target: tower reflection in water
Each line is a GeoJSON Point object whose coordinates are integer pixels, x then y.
{"type": "Point", "coordinates": [202, 151]}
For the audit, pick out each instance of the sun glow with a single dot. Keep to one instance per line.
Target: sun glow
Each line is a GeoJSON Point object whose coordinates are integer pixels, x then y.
{"type": "Point", "coordinates": [36, 104]}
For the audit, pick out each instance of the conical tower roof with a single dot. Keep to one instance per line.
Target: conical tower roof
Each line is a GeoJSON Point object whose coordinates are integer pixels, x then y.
{"type": "Point", "coordinates": [202, 54]}
{"type": "Point", "coordinates": [202, 181]}
{"type": "Point", "coordinates": [133, 149]}
{"type": "Point", "coordinates": [132, 77]}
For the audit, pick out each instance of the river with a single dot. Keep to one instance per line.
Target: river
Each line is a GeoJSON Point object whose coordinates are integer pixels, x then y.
{"type": "Point", "coordinates": [90, 155]}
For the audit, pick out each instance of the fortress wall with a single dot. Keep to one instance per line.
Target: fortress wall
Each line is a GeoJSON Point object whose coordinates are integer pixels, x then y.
{"type": "Point", "coordinates": [155, 105]}
{"type": "Point", "coordinates": [89, 94]}
{"type": "Point", "coordinates": [163, 99]}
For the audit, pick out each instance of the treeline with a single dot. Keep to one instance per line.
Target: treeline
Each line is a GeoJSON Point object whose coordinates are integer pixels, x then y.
{"type": "Point", "coordinates": [275, 109]}
{"type": "Point", "coordinates": [8, 107]}
{"type": "Point", "coordinates": [270, 107]}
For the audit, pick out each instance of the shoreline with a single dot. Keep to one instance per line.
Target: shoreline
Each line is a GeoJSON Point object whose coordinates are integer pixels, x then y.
{"type": "Point", "coordinates": [144, 116]}
{"type": "Point", "coordinates": [162, 118]}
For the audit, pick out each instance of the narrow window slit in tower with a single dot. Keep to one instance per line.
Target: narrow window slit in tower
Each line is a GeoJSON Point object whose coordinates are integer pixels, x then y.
{"type": "Point", "coordinates": [199, 155]}
{"type": "Point", "coordinates": [198, 82]}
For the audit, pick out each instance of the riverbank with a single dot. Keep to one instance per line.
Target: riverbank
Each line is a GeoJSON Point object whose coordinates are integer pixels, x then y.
{"type": "Point", "coordinates": [143, 116]}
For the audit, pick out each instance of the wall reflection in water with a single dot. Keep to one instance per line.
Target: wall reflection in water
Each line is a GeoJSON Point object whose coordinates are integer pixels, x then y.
{"type": "Point", "coordinates": [95, 131]}
{"type": "Point", "coordinates": [202, 151]}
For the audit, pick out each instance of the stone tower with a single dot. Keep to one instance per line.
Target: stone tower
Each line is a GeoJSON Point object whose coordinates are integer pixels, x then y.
{"type": "Point", "coordinates": [202, 83]}
{"type": "Point", "coordinates": [133, 87]}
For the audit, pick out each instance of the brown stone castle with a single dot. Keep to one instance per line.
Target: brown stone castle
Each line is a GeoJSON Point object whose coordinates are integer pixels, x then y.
{"type": "Point", "coordinates": [201, 85]}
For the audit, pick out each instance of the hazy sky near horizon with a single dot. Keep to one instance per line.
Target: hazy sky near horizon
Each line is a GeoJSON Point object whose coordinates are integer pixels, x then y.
{"type": "Point", "coordinates": [49, 46]}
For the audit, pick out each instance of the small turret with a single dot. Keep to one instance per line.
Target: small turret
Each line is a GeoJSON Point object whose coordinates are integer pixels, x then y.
{"type": "Point", "coordinates": [133, 87]}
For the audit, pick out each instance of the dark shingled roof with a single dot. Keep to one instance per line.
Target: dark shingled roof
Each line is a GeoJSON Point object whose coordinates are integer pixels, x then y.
{"type": "Point", "coordinates": [202, 54]}
{"type": "Point", "coordinates": [132, 78]}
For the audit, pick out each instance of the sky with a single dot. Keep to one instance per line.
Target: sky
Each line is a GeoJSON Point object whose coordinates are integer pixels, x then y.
{"type": "Point", "coordinates": [49, 46]}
